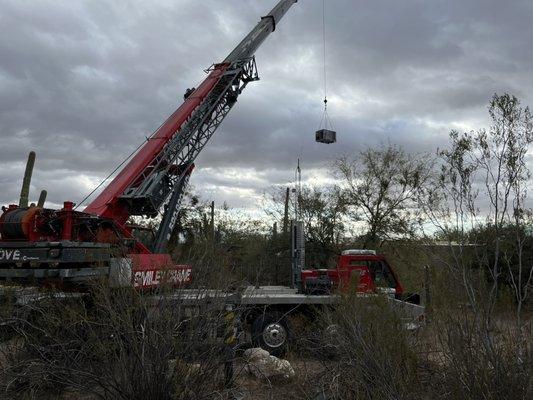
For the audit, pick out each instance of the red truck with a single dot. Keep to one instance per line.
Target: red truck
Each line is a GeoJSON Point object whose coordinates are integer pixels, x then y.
{"type": "Point", "coordinates": [266, 310]}
{"type": "Point", "coordinates": [366, 268]}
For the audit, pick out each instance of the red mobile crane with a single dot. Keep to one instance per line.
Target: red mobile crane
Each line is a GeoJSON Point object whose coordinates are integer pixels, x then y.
{"type": "Point", "coordinates": [68, 246]}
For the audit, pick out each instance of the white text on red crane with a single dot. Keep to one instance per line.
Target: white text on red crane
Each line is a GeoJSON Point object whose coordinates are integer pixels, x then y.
{"type": "Point", "coordinates": [9, 255]}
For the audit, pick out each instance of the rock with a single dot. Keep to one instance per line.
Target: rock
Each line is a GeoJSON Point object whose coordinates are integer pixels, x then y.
{"type": "Point", "coordinates": [255, 354]}
{"type": "Point", "coordinates": [264, 366]}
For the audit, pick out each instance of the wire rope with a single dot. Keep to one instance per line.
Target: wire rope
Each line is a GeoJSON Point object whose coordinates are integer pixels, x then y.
{"type": "Point", "coordinates": [325, 121]}
{"type": "Point", "coordinates": [324, 52]}
{"type": "Point", "coordinates": [109, 176]}
{"type": "Point", "coordinates": [117, 168]}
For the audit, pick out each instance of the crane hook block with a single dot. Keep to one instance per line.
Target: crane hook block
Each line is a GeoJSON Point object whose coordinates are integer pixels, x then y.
{"type": "Point", "coordinates": [326, 136]}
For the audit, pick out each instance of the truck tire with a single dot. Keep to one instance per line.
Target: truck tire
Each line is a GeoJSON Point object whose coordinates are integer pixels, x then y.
{"type": "Point", "coordinates": [271, 332]}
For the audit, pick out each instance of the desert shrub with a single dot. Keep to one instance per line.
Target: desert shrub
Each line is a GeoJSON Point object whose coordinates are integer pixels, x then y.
{"type": "Point", "coordinates": [481, 351]}
{"type": "Point", "coordinates": [114, 344]}
{"type": "Point", "coordinates": [373, 356]}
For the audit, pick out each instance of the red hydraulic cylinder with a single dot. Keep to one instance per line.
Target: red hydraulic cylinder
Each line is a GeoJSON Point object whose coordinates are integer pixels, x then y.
{"type": "Point", "coordinates": [66, 233]}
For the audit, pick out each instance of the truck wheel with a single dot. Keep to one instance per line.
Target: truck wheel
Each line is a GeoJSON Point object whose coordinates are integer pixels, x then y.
{"type": "Point", "coordinates": [271, 332]}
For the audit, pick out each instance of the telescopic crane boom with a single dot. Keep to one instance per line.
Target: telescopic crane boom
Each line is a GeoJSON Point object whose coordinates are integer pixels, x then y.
{"type": "Point", "coordinates": [158, 173]}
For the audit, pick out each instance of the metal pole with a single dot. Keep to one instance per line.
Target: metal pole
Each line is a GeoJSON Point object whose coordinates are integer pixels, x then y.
{"type": "Point", "coordinates": [286, 213]}
{"type": "Point", "coordinates": [229, 346]}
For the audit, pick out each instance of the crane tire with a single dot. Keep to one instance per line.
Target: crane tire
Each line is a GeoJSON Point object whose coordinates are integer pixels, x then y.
{"type": "Point", "coordinates": [271, 332]}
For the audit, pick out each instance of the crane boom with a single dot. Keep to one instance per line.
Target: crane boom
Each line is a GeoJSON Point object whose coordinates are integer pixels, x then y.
{"type": "Point", "coordinates": [157, 174]}
{"type": "Point", "coordinates": [108, 204]}
{"type": "Point", "coordinates": [257, 36]}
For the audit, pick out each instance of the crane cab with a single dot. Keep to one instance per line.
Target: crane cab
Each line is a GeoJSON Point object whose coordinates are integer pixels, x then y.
{"type": "Point", "coordinates": [372, 274]}
{"type": "Point", "coordinates": [325, 136]}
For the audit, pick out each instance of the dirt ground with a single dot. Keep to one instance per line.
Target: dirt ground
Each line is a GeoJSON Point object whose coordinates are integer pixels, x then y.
{"type": "Point", "coordinates": [247, 387]}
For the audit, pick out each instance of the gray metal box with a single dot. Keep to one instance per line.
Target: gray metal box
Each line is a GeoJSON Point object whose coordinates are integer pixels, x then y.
{"type": "Point", "coordinates": [326, 136]}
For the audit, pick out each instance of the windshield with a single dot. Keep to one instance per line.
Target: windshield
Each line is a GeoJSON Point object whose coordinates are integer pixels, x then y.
{"type": "Point", "coordinates": [379, 270]}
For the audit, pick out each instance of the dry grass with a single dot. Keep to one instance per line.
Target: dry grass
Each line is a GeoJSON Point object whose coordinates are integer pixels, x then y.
{"type": "Point", "coordinates": [115, 347]}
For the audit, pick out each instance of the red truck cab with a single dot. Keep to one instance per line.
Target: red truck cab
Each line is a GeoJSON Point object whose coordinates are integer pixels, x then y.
{"type": "Point", "coordinates": [367, 270]}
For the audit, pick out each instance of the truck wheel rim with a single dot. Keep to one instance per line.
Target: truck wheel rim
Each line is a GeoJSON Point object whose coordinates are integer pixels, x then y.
{"type": "Point", "coordinates": [274, 335]}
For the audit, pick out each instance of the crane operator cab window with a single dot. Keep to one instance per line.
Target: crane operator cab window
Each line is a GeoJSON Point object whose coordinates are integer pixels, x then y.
{"type": "Point", "coordinates": [379, 271]}
{"type": "Point", "coordinates": [145, 235]}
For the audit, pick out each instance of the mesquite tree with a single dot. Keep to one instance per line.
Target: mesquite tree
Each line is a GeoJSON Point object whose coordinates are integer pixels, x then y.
{"type": "Point", "coordinates": [381, 188]}
{"type": "Point", "coordinates": [322, 211]}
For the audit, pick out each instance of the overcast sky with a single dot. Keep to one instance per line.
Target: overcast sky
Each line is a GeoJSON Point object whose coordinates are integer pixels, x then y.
{"type": "Point", "coordinates": [84, 82]}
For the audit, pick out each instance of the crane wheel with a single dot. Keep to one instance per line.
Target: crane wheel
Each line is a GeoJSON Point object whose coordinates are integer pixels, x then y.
{"type": "Point", "coordinates": [271, 332]}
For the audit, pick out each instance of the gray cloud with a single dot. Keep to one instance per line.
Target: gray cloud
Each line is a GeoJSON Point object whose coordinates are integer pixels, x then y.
{"type": "Point", "coordinates": [84, 82]}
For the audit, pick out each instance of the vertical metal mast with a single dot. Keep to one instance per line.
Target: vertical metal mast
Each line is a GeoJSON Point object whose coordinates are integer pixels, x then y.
{"type": "Point", "coordinates": [297, 234]}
